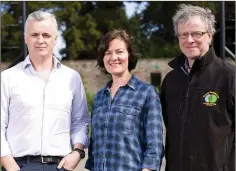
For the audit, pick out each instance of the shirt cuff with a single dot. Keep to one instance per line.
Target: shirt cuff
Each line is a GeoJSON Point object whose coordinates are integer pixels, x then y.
{"type": "Point", "coordinates": [151, 163]}
{"type": "Point", "coordinates": [81, 137]}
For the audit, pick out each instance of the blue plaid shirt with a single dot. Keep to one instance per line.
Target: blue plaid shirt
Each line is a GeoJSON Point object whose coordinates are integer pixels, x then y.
{"type": "Point", "coordinates": [127, 131]}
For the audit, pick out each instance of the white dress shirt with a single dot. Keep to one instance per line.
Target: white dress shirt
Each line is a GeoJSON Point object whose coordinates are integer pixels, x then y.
{"type": "Point", "coordinates": [39, 118]}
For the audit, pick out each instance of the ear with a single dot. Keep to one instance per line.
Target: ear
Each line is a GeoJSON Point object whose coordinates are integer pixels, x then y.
{"type": "Point", "coordinates": [210, 39]}
{"type": "Point", "coordinates": [25, 38]}
{"type": "Point", "coordinates": [55, 42]}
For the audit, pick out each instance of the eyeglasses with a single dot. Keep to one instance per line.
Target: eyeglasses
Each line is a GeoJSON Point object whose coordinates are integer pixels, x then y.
{"type": "Point", "coordinates": [194, 35]}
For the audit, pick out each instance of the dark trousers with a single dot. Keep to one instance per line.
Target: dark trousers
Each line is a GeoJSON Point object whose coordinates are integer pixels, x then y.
{"type": "Point", "coordinates": [34, 166]}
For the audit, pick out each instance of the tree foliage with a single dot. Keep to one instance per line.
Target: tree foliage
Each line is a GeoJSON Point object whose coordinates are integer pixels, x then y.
{"type": "Point", "coordinates": [83, 23]}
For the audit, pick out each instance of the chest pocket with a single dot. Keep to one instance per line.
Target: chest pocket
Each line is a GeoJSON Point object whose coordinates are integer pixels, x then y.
{"type": "Point", "coordinates": [126, 120]}
{"type": "Point", "coordinates": [209, 106]}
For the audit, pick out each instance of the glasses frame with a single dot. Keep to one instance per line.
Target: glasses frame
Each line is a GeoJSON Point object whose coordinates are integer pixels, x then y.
{"type": "Point", "coordinates": [194, 35]}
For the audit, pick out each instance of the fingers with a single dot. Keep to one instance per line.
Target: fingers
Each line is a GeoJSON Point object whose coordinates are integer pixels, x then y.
{"type": "Point", "coordinates": [69, 162]}
{"type": "Point", "coordinates": [62, 162]}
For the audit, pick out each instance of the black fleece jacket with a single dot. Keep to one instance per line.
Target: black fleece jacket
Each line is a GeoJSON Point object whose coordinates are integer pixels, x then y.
{"type": "Point", "coordinates": [199, 115]}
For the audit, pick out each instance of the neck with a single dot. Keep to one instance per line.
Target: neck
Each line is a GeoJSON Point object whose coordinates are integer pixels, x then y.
{"type": "Point", "coordinates": [41, 63]}
{"type": "Point", "coordinates": [190, 62]}
{"type": "Point", "coordinates": [119, 81]}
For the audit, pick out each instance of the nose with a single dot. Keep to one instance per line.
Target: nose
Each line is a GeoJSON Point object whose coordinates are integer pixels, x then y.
{"type": "Point", "coordinates": [113, 56]}
{"type": "Point", "coordinates": [40, 39]}
{"type": "Point", "coordinates": [190, 38]}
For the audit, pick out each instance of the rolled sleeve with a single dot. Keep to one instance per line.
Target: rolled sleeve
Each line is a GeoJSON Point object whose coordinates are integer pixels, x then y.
{"type": "Point", "coordinates": [153, 131]}
{"type": "Point", "coordinates": [80, 116]}
{"type": "Point", "coordinates": [80, 136]}
{"type": "Point", "coordinates": [5, 148]}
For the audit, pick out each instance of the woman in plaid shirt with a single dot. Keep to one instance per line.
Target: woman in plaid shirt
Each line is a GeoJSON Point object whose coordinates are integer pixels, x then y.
{"type": "Point", "coordinates": [126, 114]}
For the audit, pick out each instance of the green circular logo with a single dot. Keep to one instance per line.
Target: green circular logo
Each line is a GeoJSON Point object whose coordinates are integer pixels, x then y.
{"type": "Point", "coordinates": [212, 98]}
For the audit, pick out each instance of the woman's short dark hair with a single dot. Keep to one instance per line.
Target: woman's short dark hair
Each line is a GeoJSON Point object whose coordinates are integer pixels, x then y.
{"type": "Point", "coordinates": [104, 45]}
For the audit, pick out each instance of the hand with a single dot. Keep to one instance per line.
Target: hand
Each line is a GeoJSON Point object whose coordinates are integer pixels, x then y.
{"type": "Point", "coordinates": [13, 169]}
{"type": "Point", "coordinates": [16, 168]}
{"type": "Point", "coordinates": [9, 163]}
{"type": "Point", "coordinates": [70, 161]}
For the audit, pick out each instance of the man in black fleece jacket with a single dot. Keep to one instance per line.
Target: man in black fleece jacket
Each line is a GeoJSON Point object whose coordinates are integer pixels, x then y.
{"type": "Point", "coordinates": [198, 98]}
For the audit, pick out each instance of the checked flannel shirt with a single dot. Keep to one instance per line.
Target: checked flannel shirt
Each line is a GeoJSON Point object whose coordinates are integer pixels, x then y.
{"type": "Point", "coordinates": [127, 131]}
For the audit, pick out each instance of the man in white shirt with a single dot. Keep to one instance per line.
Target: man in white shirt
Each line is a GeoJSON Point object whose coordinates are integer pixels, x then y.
{"type": "Point", "coordinates": [44, 113]}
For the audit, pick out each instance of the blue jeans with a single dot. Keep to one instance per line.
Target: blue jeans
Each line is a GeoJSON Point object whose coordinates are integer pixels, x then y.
{"type": "Point", "coordinates": [34, 166]}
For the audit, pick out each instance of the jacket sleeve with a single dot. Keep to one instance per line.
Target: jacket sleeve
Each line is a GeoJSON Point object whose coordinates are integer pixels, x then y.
{"type": "Point", "coordinates": [230, 165]}
{"type": "Point", "coordinates": [163, 102]}
{"type": "Point", "coordinates": [231, 96]}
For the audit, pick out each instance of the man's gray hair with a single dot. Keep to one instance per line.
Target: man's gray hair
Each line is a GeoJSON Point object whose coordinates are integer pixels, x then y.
{"type": "Point", "coordinates": [40, 16]}
{"type": "Point", "coordinates": [187, 11]}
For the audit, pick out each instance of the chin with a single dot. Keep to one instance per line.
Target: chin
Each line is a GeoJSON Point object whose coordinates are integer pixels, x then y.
{"type": "Point", "coordinates": [42, 54]}
{"type": "Point", "coordinates": [192, 55]}
{"type": "Point", "coordinates": [113, 71]}
{"type": "Point", "coordinates": [116, 73]}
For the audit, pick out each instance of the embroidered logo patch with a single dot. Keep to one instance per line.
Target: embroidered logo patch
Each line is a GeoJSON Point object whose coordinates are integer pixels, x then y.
{"type": "Point", "coordinates": [210, 98]}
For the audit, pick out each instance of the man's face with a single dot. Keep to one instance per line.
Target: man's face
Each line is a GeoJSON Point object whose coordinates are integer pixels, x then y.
{"type": "Point", "coordinates": [41, 37]}
{"type": "Point", "coordinates": [194, 40]}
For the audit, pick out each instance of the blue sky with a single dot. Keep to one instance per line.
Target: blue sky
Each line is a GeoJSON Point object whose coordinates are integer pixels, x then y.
{"type": "Point", "coordinates": [130, 8]}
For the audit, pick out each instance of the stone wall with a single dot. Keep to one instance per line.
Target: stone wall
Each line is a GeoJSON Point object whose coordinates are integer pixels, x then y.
{"type": "Point", "coordinates": [94, 79]}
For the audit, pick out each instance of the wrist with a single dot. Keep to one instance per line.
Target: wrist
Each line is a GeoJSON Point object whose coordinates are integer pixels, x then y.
{"type": "Point", "coordinates": [80, 151]}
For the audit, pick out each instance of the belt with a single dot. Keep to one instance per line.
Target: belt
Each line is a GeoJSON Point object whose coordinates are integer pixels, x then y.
{"type": "Point", "coordinates": [40, 159]}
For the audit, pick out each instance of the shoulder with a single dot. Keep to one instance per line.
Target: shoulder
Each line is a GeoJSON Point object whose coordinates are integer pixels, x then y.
{"type": "Point", "coordinates": [98, 99]}
{"type": "Point", "coordinates": [229, 68]}
{"type": "Point", "coordinates": [169, 76]}
{"type": "Point", "coordinates": [144, 87]}
{"type": "Point", "coordinates": [224, 67]}
{"type": "Point", "coordinates": [12, 72]}
{"type": "Point", "coordinates": [100, 92]}
{"type": "Point", "coordinates": [68, 72]}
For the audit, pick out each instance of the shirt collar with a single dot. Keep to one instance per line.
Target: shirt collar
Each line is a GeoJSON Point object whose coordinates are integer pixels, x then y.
{"type": "Point", "coordinates": [204, 60]}
{"type": "Point", "coordinates": [27, 63]}
{"type": "Point", "coordinates": [186, 64]}
{"type": "Point", "coordinates": [132, 83]}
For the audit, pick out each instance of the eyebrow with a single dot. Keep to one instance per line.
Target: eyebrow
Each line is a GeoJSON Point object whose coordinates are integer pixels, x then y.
{"type": "Point", "coordinates": [40, 33]}
{"type": "Point", "coordinates": [116, 49]}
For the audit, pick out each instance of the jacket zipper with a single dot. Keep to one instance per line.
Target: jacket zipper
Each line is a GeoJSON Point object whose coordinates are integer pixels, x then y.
{"type": "Point", "coordinates": [182, 99]}
{"type": "Point", "coordinates": [183, 121]}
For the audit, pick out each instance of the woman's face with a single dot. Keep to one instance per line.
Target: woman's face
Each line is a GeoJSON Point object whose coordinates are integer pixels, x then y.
{"type": "Point", "coordinates": [116, 58]}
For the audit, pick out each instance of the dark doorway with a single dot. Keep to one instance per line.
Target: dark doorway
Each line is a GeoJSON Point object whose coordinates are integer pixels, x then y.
{"type": "Point", "coordinates": [156, 79]}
